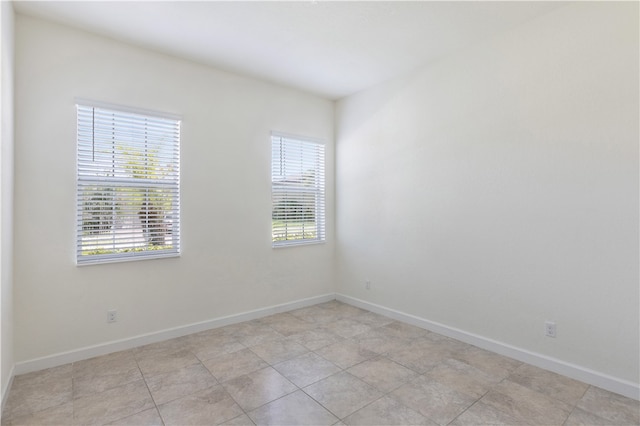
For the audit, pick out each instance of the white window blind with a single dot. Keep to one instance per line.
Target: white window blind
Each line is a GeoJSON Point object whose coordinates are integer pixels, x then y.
{"type": "Point", "coordinates": [297, 191]}
{"type": "Point", "coordinates": [128, 185]}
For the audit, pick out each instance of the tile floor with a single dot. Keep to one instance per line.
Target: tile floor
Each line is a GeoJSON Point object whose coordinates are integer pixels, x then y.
{"type": "Point", "coordinates": [326, 364]}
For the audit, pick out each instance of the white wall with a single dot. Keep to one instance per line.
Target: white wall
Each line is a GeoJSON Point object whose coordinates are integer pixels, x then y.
{"type": "Point", "coordinates": [227, 265]}
{"type": "Point", "coordinates": [6, 194]}
{"type": "Point", "coordinates": [498, 188]}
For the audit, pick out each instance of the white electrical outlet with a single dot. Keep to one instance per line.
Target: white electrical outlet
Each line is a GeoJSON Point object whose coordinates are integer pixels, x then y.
{"type": "Point", "coordinates": [112, 316]}
{"type": "Point", "coordinates": [550, 329]}
{"type": "Point", "coordinates": [367, 285]}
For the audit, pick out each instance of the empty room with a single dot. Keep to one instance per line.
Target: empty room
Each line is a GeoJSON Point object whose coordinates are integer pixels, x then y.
{"type": "Point", "coordinates": [320, 213]}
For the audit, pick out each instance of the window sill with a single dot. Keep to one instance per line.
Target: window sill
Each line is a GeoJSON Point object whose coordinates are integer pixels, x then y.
{"type": "Point", "coordinates": [116, 259]}
{"type": "Point", "coordinates": [297, 243]}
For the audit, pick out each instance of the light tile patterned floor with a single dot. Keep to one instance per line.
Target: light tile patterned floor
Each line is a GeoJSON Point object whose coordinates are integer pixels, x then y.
{"type": "Point", "coordinates": [326, 364]}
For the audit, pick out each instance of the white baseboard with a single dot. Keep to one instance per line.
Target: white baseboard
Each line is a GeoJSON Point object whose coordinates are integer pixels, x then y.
{"type": "Point", "coordinates": [145, 339]}
{"type": "Point", "coordinates": [595, 378]}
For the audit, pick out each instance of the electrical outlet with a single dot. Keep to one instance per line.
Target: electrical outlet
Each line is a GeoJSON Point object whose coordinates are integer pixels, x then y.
{"type": "Point", "coordinates": [550, 329]}
{"type": "Point", "coordinates": [112, 316]}
{"type": "Point", "coordinates": [367, 285]}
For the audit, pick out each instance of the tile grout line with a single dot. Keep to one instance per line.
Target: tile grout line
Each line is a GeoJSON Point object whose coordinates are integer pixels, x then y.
{"type": "Point", "coordinates": [471, 405]}
{"type": "Point", "coordinates": [575, 406]}
{"type": "Point", "coordinates": [219, 383]}
{"type": "Point", "coordinates": [148, 389]}
{"type": "Point", "coordinates": [322, 405]}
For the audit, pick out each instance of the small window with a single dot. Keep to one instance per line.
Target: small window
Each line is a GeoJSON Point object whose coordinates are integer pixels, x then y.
{"type": "Point", "coordinates": [297, 191]}
{"type": "Point", "coordinates": [128, 185]}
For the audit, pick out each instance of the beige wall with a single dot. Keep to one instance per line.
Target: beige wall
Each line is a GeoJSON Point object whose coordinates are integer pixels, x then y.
{"type": "Point", "coordinates": [6, 193]}
{"type": "Point", "coordinates": [227, 265]}
{"type": "Point", "coordinates": [498, 188]}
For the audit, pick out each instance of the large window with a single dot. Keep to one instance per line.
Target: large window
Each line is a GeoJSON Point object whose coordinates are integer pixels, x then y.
{"type": "Point", "coordinates": [128, 185]}
{"type": "Point", "coordinates": [297, 191]}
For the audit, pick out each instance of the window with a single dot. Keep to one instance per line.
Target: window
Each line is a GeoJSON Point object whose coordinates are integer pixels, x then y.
{"type": "Point", "coordinates": [128, 185]}
{"type": "Point", "coordinates": [297, 191]}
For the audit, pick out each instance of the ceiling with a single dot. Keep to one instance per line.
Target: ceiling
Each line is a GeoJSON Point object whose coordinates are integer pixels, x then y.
{"type": "Point", "coordinates": [332, 49]}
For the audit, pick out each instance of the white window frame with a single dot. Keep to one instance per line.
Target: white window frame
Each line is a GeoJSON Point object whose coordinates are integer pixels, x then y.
{"type": "Point", "coordinates": [291, 158]}
{"type": "Point", "coordinates": [144, 159]}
